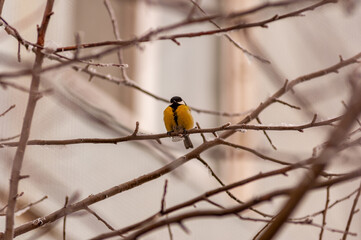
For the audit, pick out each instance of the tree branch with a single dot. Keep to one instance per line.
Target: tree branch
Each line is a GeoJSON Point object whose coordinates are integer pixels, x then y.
{"type": "Point", "coordinates": [336, 137]}
{"type": "Point", "coordinates": [25, 132]}
{"type": "Point", "coordinates": [1, 6]}
{"type": "Point", "coordinates": [352, 213]}
{"type": "Point", "coordinates": [138, 137]}
{"type": "Point", "coordinates": [7, 110]}
{"type": "Point", "coordinates": [223, 212]}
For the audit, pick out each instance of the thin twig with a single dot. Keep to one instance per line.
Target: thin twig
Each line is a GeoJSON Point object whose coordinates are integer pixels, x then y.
{"type": "Point", "coordinates": [64, 220]}
{"type": "Point", "coordinates": [245, 51]}
{"type": "Point", "coordinates": [100, 219]}
{"type": "Point", "coordinates": [9, 138]}
{"type": "Point", "coordinates": [202, 135]}
{"type": "Point", "coordinates": [265, 133]}
{"type": "Point", "coordinates": [287, 104]}
{"type": "Point", "coordinates": [329, 207]}
{"type": "Point", "coordinates": [117, 37]}
{"type": "Point", "coordinates": [169, 230]}
{"type": "Point", "coordinates": [352, 213]}
{"type": "Point", "coordinates": [7, 110]}
{"type": "Point", "coordinates": [26, 207]}
{"type": "Point", "coordinates": [231, 195]}
{"type": "Point", "coordinates": [162, 205]}
{"type": "Point", "coordinates": [324, 213]}
{"type": "Point", "coordinates": [17, 196]}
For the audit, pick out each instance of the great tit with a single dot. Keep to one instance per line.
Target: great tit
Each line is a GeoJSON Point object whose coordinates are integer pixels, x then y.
{"type": "Point", "coordinates": [178, 118]}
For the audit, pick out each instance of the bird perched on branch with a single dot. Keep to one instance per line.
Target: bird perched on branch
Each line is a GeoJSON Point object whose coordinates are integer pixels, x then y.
{"type": "Point", "coordinates": [178, 118]}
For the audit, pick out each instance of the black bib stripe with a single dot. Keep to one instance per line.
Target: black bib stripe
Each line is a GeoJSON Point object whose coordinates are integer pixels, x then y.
{"type": "Point", "coordinates": [175, 116]}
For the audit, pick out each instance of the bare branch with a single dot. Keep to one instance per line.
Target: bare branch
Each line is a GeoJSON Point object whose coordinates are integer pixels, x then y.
{"type": "Point", "coordinates": [7, 110]}
{"type": "Point", "coordinates": [218, 213]}
{"type": "Point", "coordinates": [324, 213]}
{"type": "Point", "coordinates": [352, 213]}
{"type": "Point", "coordinates": [138, 137]}
{"type": "Point", "coordinates": [152, 35]}
{"type": "Point", "coordinates": [25, 132]}
{"type": "Point", "coordinates": [318, 166]}
{"type": "Point", "coordinates": [64, 220]}
{"type": "Point", "coordinates": [265, 133]}
{"type": "Point", "coordinates": [100, 218]}
{"type": "Point", "coordinates": [162, 205]}
{"type": "Point", "coordinates": [287, 104]}
{"type": "Point", "coordinates": [117, 35]}
{"type": "Point", "coordinates": [236, 44]}
{"type": "Point", "coordinates": [202, 135]}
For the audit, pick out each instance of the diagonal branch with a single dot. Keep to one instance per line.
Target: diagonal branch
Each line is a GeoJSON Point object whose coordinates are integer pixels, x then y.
{"type": "Point", "coordinates": [352, 213]}
{"type": "Point", "coordinates": [25, 132]}
{"type": "Point", "coordinates": [7, 110]}
{"type": "Point", "coordinates": [236, 44]}
{"type": "Point", "coordinates": [320, 163]}
{"type": "Point", "coordinates": [224, 212]}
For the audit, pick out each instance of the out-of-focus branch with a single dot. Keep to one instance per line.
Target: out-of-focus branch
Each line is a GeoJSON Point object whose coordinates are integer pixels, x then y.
{"type": "Point", "coordinates": [223, 212]}
{"type": "Point", "coordinates": [9, 138]}
{"type": "Point", "coordinates": [113, 19]}
{"type": "Point", "coordinates": [229, 38]}
{"type": "Point", "coordinates": [1, 6]}
{"type": "Point", "coordinates": [25, 132]}
{"type": "Point", "coordinates": [337, 136]}
{"type": "Point", "coordinates": [126, 81]}
{"type": "Point", "coordinates": [26, 207]}
{"type": "Point", "coordinates": [152, 35]}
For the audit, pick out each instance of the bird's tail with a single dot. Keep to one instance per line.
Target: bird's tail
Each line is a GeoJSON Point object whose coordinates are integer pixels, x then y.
{"type": "Point", "coordinates": [187, 142]}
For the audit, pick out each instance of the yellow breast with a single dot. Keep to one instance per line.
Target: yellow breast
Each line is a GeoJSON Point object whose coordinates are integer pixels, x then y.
{"type": "Point", "coordinates": [168, 118]}
{"type": "Point", "coordinates": [178, 120]}
{"type": "Point", "coordinates": [184, 117]}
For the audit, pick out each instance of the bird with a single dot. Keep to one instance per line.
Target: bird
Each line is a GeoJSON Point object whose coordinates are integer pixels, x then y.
{"type": "Point", "coordinates": [178, 118]}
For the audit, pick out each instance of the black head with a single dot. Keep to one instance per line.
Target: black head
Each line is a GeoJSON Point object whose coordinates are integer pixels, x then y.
{"type": "Point", "coordinates": [176, 99]}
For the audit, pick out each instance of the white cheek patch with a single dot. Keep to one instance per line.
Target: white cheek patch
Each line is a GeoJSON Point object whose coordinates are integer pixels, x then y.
{"type": "Point", "coordinates": [181, 102]}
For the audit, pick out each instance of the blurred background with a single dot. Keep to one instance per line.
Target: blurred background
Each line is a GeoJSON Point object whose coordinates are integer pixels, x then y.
{"type": "Point", "coordinates": [209, 73]}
